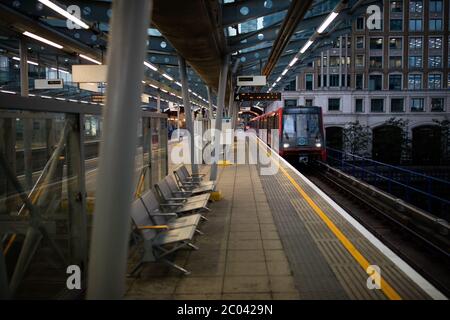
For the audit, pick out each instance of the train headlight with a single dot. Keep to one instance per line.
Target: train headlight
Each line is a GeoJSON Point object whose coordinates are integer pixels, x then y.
{"type": "Point", "coordinates": [286, 145]}
{"type": "Point", "coordinates": [318, 143]}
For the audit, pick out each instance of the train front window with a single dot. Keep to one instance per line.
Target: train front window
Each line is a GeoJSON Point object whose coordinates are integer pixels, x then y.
{"type": "Point", "coordinates": [289, 127]}
{"type": "Point", "coordinates": [307, 129]}
{"type": "Point", "coordinates": [301, 129]}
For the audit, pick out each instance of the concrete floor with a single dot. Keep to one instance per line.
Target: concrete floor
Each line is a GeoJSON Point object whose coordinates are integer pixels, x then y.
{"type": "Point", "coordinates": [240, 256]}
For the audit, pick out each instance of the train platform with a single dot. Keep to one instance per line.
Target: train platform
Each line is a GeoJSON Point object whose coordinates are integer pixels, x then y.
{"type": "Point", "coordinates": [280, 237]}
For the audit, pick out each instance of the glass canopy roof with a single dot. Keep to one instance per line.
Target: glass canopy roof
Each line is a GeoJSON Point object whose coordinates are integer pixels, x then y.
{"type": "Point", "coordinates": [251, 28]}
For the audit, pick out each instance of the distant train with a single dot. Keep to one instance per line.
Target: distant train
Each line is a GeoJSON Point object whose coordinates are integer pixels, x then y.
{"type": "Point", "coordinates": [299, 129]}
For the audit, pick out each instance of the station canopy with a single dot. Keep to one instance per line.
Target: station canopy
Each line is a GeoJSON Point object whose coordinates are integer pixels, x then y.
{"type": "Point", "coordinates": [275, 38]}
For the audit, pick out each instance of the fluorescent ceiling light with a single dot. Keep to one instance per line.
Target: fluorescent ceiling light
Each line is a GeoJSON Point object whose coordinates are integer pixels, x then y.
{"type": "Point", "coordinates": [164, 90]}
{"type": "Point", "coordinates": [327, 21]}
{"type": "Point", "coordinates": [279, 78]}
{"type": "Point", "coordinates": [306, 46]}
{"type": "Point", "coordinates": [149, 65]}
{"type": "Point", "coordinates": [60, 70]}
{"type": "Point", "coordinates": [28, 61]}
{"type": "Point", "coordinates": [284, 72]}
{"type": "Point", "coordinates": [64, 13]}
{"type": "Point", "coordinates": [178, 84]}
{"type": "Point", "coordinates": [153, 86]}
{"type": "Point", "coordinates": [89, 59]}
{"type": "Point", "coordinates": [36, 37]}
{"type": "Point", "coordinates": [167, 76]}
{"type": "Point", "coordinates": [293, 61]}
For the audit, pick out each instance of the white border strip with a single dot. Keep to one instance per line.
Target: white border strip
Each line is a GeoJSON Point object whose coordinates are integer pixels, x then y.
{"type": "Point", "coordinates": [424, 284]}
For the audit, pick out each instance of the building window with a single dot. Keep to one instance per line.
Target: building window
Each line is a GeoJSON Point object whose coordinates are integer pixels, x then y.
{"type": "Point", "coordinates": [334, 104]}
{"type": "Point", "coordinates": [377, 105]}
{"type": "Point", "coordinates": [359, 61]}
{"type": "Point", "coordinates": [290, 103]}
{"type": "Point", "coordinates": [395, 82]}
{"type": "Point", "coordinates": [415, 62]}
{"type": "Point", "coordinates": [360, 42]}
{"type": "Point", "coordinates": [395, 43]}
{"type": "Point", "coordinates": [308, 102]}
{"type": "Point", "coordinates": [376, 62]}
{"type": "Point", "coordinates": [359, 105]}
{"type": "Point", "coordinates": [376, 43]}
{"type": "Point", "coordinates": [437, 104]}
{"type": "Point", "coordinates": [397, 105]}
{"type": "Point", "coordinates": [435, 62]}
{"type": "Point", "coordinates": [415, 25]}
{"type": "Point", "coordinates": [434, 81]}
{"type": "Point", "coordinates": [360, 23]}
{"type": "Point", "coordinates": [396, 6]}
{"type": "Point", "coordinates": [436, 6]}
{"type": "Point", "coordinates": [435, 24]}
{"type": "Point", "coordinates": [309, 81]}
{"type": "Point", "coordinates": [415, 43]}
{"type": "Point", "coordinates": [359, 82]}
{"type": "Point", "coordinates": [417, 105]}
{"type": "Point", "coordinates": [396, 24]}
{"type": "Point", "coordinates": [375, 82]}
{"type": "Point", "coordinates": [291, 86]}
{"type": "Point", "coordinates": [395, 62]}
{"type": "Point", "coordinates": [416, 6]}
{"type": "Point", "coordinates": [448, 81]}
{"type": "Point", "coordinates": [334, 80]}
{"type": "Point", "coordinates": [415, 81]}
{"type": "Point", "coordinates": [435, 43]}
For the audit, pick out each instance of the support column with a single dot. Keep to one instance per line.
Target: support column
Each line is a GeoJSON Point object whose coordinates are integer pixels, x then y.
{"type": "Point", "coordinates": [111, 230]}
{"type": "Point", "coordinates": [188, 112]}
{"type": "Point", "coordinates": [158, 102]}
{"type": "Point", "coordinates": [27, 120]}
{"type": "Point", "coordinates": [210, 104]}
{"type": "Point", "coordinates": [76, 192]}
{"type": "Point", "coordinates": [219, 115]}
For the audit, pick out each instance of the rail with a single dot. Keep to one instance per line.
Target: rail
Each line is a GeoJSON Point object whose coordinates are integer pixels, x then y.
{"type": "Point", "coordinates": [427, 192]}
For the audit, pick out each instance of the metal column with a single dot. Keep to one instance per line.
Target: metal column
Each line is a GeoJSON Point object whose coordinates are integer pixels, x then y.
{"type": "Point", "coordinates": [27, 121]}
{"type": "Point", "coordinates": [210, 107]}
{"type": "Point", "coordinates": [187, 112]}
{"type": "Point", "coordinates": [219, 115]}
{"type": "Point", "coordinates": [158, 102]}
{"type": "Point", "coordinates": [111, 231]}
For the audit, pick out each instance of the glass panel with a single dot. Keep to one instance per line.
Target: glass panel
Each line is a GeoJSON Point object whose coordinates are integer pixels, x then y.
{"type": "Point", "coordinates": [307, 129]}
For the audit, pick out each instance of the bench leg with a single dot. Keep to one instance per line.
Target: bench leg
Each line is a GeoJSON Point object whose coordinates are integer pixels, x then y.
{"type": "Point", "coordinates": [135, 269]}
{"type": "Point", "coordinates": [199, 232]}
{"type": "Point", "coordinates": [173, 265]}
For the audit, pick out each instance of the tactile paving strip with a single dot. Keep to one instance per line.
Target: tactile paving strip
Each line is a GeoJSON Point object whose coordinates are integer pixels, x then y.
{"type": "Point", "coordinates": [313, 276]}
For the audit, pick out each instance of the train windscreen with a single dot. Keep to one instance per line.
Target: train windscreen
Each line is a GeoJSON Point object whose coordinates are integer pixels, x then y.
{"type": "Point", "coordinates": [301, 129]}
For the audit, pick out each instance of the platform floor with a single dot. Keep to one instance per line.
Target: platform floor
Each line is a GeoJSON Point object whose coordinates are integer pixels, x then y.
{"type": "Point", "coordinates": [275, 237]}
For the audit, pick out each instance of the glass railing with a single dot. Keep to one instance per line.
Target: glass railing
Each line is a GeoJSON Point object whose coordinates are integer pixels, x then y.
{"type": "Point", "coordinates": [48, 177]}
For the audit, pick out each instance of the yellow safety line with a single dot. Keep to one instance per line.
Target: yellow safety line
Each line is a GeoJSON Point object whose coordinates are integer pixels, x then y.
{"type": "Point", "coordinates": [385, 287]}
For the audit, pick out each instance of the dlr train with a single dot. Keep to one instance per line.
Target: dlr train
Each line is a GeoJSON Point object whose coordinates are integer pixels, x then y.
{"type": "Point", "coordinates": [299, 129]}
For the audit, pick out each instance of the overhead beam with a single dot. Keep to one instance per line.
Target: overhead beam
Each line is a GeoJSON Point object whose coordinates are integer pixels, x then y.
{"type": "Point", "coordinates": [295, 14]}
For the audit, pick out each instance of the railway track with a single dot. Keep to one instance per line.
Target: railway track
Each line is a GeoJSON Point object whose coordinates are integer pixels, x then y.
{"type": "Point", "coordinates": [418, 238]}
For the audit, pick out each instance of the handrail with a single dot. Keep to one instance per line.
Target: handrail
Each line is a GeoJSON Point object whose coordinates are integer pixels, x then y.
{"type": "Point", "coordinates": [390, 166]}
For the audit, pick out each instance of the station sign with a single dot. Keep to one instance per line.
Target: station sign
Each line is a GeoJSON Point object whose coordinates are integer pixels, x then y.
{"type": "Point", "coordinates": [257, 96]}
{"type": "Point", "coordinates": [98, 98]}
{"type": "Point", "coordinates": [48, 83]}
{"type": "Point", "coordinates": [89, 73]}
{"type": "Point", "coordinates": [253, 81]}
